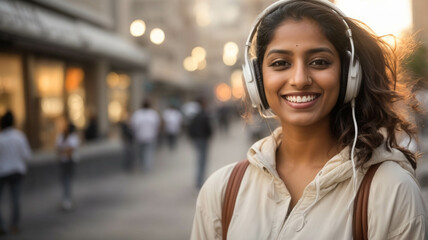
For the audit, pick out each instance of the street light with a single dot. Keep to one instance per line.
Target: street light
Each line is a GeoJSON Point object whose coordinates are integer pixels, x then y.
{"type": "Point", "coordinates": [137, 28]}
{"type": "Point", "coordinates": [157, 36]}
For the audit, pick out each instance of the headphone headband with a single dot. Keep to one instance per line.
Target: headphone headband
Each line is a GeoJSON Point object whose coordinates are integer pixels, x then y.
{"type": "Point", "coordinates": [279, 3]}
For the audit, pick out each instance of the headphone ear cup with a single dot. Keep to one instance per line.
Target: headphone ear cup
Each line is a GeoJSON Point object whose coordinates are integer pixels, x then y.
{"type": "Point", "coordinates": [250, 84]}
{"type": "Point", "coordinates": [259, 80]}
{"type": "Point", "coordinates": [354, 77]}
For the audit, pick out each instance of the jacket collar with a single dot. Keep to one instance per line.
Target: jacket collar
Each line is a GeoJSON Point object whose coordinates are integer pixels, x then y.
{"type": "Point", "coordinates": [339, 168]}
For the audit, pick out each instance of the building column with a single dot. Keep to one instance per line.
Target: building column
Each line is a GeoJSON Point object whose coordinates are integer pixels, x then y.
{"type": "Point", "coordinates": [101, 97]}
{"type": "Point", "coordinates": [137, 90]}
{"type": "Point", "coordinates": [32, 103]}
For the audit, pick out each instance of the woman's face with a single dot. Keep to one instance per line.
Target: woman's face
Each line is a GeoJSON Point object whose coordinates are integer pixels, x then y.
{"type": "Point", "coordinates": [301, 73]}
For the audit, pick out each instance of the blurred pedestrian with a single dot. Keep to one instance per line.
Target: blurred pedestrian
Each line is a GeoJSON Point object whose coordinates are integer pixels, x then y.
{"type": "Point", "coordinates": [189, 109]}
{"type": "Point", "coordinates": [14, 151]}
{"type": "Point", "coordinates": [127, 141]}
{"type": "Point", "coordinates": [223, 115]}
{"type": "Point", "coordinates": [173, 119]}
{"type": "Point", "coordinates": [91, 130]}
{"type": "Point", "coordinates": [67, 143]}
{"type": "Point", "coordinates": [145, 123]}
{"type": "Point", "coordinates": [330, 82]}
{"type": "Point", "coordinates": [200, 131]}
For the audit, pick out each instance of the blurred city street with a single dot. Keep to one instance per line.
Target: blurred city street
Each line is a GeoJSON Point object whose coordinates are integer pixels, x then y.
{"type": "Point", "coordinates": [119, 205]}
{"type": "Point", "coordinates": [80, 76]}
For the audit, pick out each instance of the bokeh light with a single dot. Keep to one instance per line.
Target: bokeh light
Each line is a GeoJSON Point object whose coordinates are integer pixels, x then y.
{"type": "Point", "coordinates": [157, 36]}
{"type": "Point", "coordinates": [199, 53]}
{"type": "Point", "coordinates": [202, 64]}
{"type": "Point", "coordinates": [202, 13]}
{"type": "Point", "coordinates": [137, 28]}
{"type": "Point", "coordinates": [223, 92]}
{"type": "Point", "coordinates": [229, 60]}
{"type": "Point", "coordinates": [231, 48]}
{"type": "Point", "coordinates": [230, 53]}
{"type": "Point", "coordinates": [190, 64]}
{"type": "Point", "coordinates": [237, 86]}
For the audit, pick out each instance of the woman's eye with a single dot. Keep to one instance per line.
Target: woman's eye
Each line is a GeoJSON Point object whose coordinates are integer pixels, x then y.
{"type": "Point", "coordinates": [320, 63]}
{"type": "Point", "coordinates": [280, 63]}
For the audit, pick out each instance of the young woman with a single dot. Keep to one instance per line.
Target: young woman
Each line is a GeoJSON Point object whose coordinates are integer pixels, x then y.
{"type": "Point", "coordinates": [313, 68]}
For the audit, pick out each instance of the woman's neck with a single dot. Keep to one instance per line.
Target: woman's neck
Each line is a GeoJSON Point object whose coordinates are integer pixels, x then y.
{"type": "Point", "coordinates": [311, 146]}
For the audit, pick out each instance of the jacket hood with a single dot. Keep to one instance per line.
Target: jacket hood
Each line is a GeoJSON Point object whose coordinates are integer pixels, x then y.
{"type": "Point", "coordinates": [337, 169]}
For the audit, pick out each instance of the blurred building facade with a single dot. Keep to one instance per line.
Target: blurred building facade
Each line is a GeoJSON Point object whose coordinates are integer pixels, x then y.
{"type": "Point", "coordinates": [420, 19]}
{"type": "Point", "coordinates": [420, 26]}
{"type": "Point", "coordinates": [66, 58]}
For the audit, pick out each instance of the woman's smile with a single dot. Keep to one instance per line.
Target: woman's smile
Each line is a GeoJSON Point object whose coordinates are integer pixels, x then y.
{"type": "Point", "coordinates": [301, 100]}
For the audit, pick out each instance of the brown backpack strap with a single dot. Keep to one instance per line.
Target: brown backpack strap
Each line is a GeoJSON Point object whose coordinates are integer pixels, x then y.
{"type": "Point", "coordinates": [360, 221]}
{"type": "Point", "coordinates": [231, 193]}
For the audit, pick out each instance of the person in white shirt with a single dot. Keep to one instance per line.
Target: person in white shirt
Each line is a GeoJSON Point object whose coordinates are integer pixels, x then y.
{"type": "Point", "coordinates": [173, 119]}
{"type": "Point", "coordinates": [67, 143]}
{"type": "Point", "coordinates": [14, 151]}
{"type": "Point", "coordinates": [145, 123]}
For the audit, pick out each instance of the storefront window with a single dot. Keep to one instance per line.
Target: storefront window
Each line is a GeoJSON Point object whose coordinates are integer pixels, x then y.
{"type": "Point", "coordinates": [49, 77]}
{"type": "Point", "coordinates": [49, 81]}
{"type": "Point", "coordinates": [11, 87]}
{"type": "Point", "coordinates": [60, 90]}
{"type": "Point", "coordinates": [118, 95]}
{"type": "Point", "coordinates": [75, 96]}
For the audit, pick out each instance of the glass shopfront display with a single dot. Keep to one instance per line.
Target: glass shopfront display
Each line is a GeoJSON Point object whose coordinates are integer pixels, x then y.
{"type": "Point", "coordinates": [75, 94]}
{"type": "Point", "coordinates": [118, 85]}
{"type": "Point", "coordinates": [11, 87]}
{"type": "Point", "coordinates": [61, 94]}
{"type": "Point", "coordinates": [49, 82]}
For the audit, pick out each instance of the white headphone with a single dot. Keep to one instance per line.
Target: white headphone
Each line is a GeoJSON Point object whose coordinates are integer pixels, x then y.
{"type": "Point", "coordinates": [253, 80]}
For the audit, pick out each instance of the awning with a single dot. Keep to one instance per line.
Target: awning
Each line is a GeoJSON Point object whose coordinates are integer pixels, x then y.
{"type": "Point", "coordinates": [31, 21]}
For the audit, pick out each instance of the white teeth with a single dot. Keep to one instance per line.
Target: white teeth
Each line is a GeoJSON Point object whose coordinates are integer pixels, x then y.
{"type": "Point", "coordinates": [300, 99]}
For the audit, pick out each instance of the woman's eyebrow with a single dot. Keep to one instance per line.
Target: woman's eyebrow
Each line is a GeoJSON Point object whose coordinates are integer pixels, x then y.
{"type": "Point", "coordinates": [310, 51]}
{"type": "Point", "coordinates": [280, 51]}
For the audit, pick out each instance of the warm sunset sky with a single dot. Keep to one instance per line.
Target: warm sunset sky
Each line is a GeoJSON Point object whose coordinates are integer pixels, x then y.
{"type": "Point", "coordinates": [383, 16]}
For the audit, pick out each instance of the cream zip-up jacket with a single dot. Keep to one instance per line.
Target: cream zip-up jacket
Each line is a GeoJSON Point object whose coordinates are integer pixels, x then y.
{"type": "Point", "coordinates": [396, 207]}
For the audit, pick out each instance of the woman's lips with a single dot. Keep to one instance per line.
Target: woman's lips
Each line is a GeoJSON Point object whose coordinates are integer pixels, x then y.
{"type": "Point", "coordinates": [301, 100]}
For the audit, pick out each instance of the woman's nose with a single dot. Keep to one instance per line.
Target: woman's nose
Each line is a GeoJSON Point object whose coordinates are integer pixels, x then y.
{"type": "Point", "coordinates": [300, 77]}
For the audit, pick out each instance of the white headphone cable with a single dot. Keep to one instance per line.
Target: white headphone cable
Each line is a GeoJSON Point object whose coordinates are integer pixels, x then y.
{"type": "Point", "coordinates": [354, 144]}
{"type": "Point", "coordinates": [354, 172]}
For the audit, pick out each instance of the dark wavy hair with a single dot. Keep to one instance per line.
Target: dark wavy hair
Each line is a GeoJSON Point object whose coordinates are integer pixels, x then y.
{"type": "Point", "coordinates": [382, 96]}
